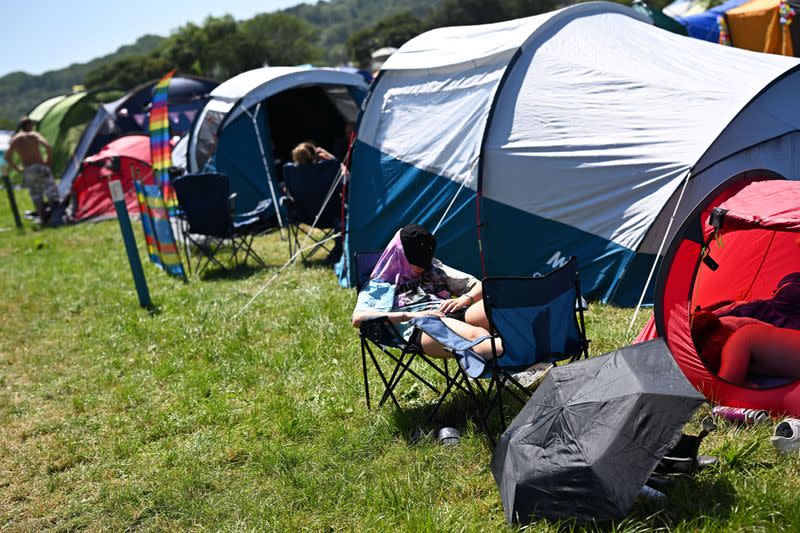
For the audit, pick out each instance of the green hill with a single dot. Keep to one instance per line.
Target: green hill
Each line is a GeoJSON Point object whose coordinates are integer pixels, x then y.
{"type": "Point", "coordinates": [337, 19]}
{"type": "Point", "coordinates": [333, 21]}
{"type": "Point", "coordinates": [20, 91]}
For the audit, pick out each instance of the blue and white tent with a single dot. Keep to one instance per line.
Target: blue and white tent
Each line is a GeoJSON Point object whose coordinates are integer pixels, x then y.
{"type": "Point", "coordinates": [577, 132]}
{"type": "Point", "coordinates": [252, 121]}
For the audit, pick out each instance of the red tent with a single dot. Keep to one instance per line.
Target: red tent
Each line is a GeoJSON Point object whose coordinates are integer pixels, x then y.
{"type": "Point", "coordinates": [738, 251]}
{"type": "Point", "coordinates": [129, 158]}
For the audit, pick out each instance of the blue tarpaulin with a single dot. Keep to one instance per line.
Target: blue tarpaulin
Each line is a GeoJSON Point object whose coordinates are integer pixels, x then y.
{"type": "Point", "coordinates": [704, 25]}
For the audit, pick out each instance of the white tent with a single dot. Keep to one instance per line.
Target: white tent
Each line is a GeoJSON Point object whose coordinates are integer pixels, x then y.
{"type": "Point", "coordinates": [575, 132]}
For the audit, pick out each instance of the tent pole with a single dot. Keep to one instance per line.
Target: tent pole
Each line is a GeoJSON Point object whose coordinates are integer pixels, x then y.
{"type": "Point", "coordinates": [264, 161]}
{"type": "Point", "coordinates": [658, 254]}
{"type": "Point", "coordinates": [302, 248]}
{"type": "Point", "coordinates": [280, 270]}
{"type": "Point", "coordinates": [450, 205]}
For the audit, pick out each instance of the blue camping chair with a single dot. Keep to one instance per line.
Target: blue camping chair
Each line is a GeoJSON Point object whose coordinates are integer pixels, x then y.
{"type": "Point", "coordinates": [538, 318]}
{"type": "Point", "coordinates": [380, 336]}
{"type": "Point", "coordinates": [313, 198]}
{"type": "Point", "coordinates": [208, 208]}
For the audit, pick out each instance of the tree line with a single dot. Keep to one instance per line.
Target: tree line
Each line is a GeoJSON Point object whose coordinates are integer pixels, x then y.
{"type": "Point", "coordinates": [222, 47]}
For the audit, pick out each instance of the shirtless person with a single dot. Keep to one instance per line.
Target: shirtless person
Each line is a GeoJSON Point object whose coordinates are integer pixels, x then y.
{"type": "Point", "coordinates": [27, 145]}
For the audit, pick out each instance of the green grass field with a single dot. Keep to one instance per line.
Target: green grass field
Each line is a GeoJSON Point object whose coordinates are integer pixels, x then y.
{"type": "Point", "coordinates": [113, 418]}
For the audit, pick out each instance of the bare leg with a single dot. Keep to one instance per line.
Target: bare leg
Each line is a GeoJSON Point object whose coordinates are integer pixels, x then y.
{"type": "Point", "coordinates": [476, 316]}
{"type": "Point", "coordinates": [484, 349]}
{"type": "Point", "coordinates": [761, 349]}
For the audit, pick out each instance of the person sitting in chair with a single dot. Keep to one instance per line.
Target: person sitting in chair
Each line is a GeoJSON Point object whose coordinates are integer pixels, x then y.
{"type": "Point", "coordinates": [408, 282]}
{"type": "Point", "coordinates": [307, 153]}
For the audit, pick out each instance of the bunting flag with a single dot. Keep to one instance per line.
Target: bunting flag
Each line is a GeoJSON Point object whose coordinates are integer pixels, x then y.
{"type": "Point", "coordinates": [160, 150]}
{"type": "Point", "coordinates": [161, 245]}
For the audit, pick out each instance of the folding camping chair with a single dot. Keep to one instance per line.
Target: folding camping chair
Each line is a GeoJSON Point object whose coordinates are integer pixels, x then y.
{"type": "Point", "coordinates": [310, 193]}
{"type": "Point", "coordinates": [379, 335]}
{"type": "Point", "coordinates": [208, 208]}
{"type": "Point", "coordinates": [538, 318]}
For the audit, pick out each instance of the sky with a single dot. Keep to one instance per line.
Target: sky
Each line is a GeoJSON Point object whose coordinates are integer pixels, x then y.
{"type": "Point", "coordinates": [41, 35]}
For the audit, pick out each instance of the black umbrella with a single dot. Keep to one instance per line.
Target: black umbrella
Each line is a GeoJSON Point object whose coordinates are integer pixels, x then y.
{"type": "Point", "coordinates": [592, 433]}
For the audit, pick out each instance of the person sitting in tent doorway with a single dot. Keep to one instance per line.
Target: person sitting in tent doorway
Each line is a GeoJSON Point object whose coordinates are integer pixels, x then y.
{"type": "Point", "coordinates": [308, 153]}
{"type": "Point", "coordinates": [28, 146]}
{"type": "Point", "coordinates": [408, 282]}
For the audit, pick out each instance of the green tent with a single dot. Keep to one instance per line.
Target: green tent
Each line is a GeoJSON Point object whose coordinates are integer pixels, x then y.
{"type": "Point", "coordinates": [64, 122]}
{"type": "Point", "coordinates": [37, 113]}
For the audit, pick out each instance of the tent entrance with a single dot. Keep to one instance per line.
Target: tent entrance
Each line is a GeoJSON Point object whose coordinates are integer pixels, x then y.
{"type": "Point", "coordinates": [743, 266]}
{"type": "Point", "coordinates": [317, 113]}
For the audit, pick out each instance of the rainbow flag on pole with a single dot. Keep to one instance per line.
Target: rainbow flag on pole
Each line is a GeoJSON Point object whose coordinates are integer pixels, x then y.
{"type": "Point", "coordinates": [160, 150]}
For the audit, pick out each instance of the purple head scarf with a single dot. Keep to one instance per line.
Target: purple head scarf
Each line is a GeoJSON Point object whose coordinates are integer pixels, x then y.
{"type": "Point", "coordinates": [393, 266]}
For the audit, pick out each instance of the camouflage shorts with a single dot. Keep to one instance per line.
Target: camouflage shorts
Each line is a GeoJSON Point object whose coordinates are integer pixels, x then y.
{"type": "Point", "coordinates": [41, 184]}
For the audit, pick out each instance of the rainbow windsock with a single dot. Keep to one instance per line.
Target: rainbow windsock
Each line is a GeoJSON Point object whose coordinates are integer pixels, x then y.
{"type": "Point", "coordinates": [161, 245]}
{"type": "Point", "coordinates": [160, 150]}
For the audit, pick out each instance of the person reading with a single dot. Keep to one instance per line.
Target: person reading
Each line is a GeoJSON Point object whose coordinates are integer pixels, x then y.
{"type": "Point", "coordinates": [409, 282]}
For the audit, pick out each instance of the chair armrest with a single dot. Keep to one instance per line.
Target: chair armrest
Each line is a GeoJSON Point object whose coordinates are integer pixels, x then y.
{"type": "Point", "coordinates": [380, 330]}
{"type": "Point", "coordinates": [232, 202]}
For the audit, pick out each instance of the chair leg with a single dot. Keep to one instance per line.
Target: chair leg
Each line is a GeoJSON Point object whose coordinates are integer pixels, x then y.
{"type": "Point", "coordinates": [440, 401]}
{"type": "Point", "coordinates": [519, 387]}
{"type": "Point", "coordinates": [481, 413]}
{"type": "Point", "coordinates": [252, 253]}
{"type": "Point", "coordinates": [406, 367]}
{"type": "Point", "coordinates": [394, 379]}
{"type": "Point", "coordinates": [245, 245]}
{"type": "Point", "coordinates": [364, 368]}
{"type": "Point", "coordinates": [210, 256]}
{"type": "Point", "coordinates": [382, 376]}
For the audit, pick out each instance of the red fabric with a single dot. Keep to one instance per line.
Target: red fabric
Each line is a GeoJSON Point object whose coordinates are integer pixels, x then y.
{"type": "Point", "coordinates": [133, 146]}
{"type": "Point", "coordinates": [769, 204]}
{"type": "Point", "coordinates": [751, 262]}
{"type": "Point", "coordinates": [90, 187]}
{"type": "Point", "coordinates": [648, 332]}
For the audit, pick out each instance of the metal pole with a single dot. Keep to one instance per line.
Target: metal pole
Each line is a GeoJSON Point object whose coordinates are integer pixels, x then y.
{"type": "Point", "coordinates": [254, 119]}
{"type": "Point", "coordinates": [12, 201]}
{"type": "Point", "coordinates": [118, 197]}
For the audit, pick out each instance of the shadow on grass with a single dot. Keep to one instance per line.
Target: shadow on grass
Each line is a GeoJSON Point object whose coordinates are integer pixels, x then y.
{"type": "Point", "coordinates": [691, 498]}
{"type": "Point", "coordinates": [318, 261]}
{"type": "Point", "coordinates": [689, 501]}
{"type": "Point", "coordinates": [216, 273]}
{"type": "Point", "coordinates": [413, 419]}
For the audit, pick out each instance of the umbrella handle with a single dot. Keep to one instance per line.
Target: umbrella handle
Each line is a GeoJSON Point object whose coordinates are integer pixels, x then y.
{"type": "Point", "coordinates": [708, 425]}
